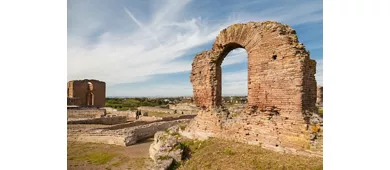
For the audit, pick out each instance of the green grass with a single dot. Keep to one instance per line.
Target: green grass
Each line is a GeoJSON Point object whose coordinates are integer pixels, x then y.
{"type": "Point", "coordinates": [121, 161]}
{"type": "Point", "coordinates": [132, 103]}
{"type": "Point", "coordinates": [97, 156]}
{"type": "Point", "coordinates": [220, 154]}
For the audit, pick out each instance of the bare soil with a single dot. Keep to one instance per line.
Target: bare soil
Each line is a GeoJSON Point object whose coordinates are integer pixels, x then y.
{"type": "Point", "coordinates": [93, 156]}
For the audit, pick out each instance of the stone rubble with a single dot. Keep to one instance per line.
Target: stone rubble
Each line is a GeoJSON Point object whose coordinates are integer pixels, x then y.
{"type": "Point", "coordinates": [166, 149]}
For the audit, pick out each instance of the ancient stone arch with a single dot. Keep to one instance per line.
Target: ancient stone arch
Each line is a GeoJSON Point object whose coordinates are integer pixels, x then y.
{"type": "Point", "coordinates": [280, 71]}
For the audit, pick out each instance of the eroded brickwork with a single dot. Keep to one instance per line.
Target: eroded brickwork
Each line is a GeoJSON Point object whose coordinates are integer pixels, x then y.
{"type": "Point", "coordinates": [281, 111]}
{"type": "Point", "coordinates": [280, 71]}
{"type": "Point", "coordinates": [86, 93]}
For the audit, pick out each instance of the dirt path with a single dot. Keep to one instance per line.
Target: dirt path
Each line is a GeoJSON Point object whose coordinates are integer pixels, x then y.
{"type": "Point", "coordinates": [103, 156]}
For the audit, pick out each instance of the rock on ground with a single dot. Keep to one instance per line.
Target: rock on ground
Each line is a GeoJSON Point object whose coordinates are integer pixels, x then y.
{"type": "Point", "coordinates": [166, 148]}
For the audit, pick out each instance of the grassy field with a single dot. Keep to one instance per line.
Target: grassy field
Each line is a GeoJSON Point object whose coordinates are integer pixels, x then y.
{"type": "Point", "coordinates": [203, 155]}
{"type": "Point", "coordinates": [126, 104]}
{"type": "Point", "coordinates": [225, 155]}
{"type": "Point", "coordinates": [103, 156]}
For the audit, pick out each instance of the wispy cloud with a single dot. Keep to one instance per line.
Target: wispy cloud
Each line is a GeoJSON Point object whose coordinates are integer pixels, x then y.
{"type": "Point", "coordinates": [126, 42]}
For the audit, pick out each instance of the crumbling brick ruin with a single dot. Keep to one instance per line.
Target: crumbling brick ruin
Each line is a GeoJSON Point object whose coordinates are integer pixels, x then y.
{"type": "Point", "coordinates": [281, 89]}
{"type": "Point", "coordinates": [86, 93]}
{"type": "Point", "coordinates": [280, 72]}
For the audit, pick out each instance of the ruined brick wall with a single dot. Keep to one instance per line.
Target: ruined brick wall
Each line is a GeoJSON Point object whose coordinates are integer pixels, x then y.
{"type": "Point", "coordinates": [85, 113]}
{"type": "Point", "coordinates": [280, 72]}
{"type": "Point", "coordinates": [309, 84]}
{"type": "Point", "coordinates": [281, 112]}
{"type": "Point", "coordinates": [79, 89]}
{"type": "Point", "coordinates": [201, 79]}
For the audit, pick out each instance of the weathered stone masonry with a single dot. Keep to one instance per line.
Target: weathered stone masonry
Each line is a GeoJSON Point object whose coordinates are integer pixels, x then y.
{"type": "Point", "coordinates": [281, 89]}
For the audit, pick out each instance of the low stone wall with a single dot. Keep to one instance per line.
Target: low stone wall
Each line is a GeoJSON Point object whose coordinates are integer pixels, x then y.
{"type": "Point", "coordinates": [140, 122]}
{"type": "Point", "coordinates": [124, 136]}
{"type": "Point", "coordinates": [110, 109]}
{"type": "Point", "coordinates": [148, 131]}
{"type": "Point", "coordinates": [115, 112]}
{"type": "Point", "coordinates": [172, 109]}
{"type": "Point", "coordinates": [155, 109]}
{"type": "Point", "coordinates": [148, 118]}
{"type": "Point", "coordinates": [102, 120]}
{"type": "Point", "coordinates": [85, 113]}
{"type": "Point", "coordinates": [128, 113]}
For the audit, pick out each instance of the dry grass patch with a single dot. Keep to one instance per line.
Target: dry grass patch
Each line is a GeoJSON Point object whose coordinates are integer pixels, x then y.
{"type": "Point", "coordinates": [226, 155]}
{"type": "Point", "coordinates": [102, 156]}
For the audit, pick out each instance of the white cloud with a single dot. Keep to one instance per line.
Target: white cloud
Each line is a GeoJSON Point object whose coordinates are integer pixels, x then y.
{"type": "Point", "coordinates": [235, 83]}
{"type": "Point", "coordinates": [154, 90]}
{"type": "Point", "coordinates": [236, 56]}
{"type": "Point", "coordinates": [128, 46]}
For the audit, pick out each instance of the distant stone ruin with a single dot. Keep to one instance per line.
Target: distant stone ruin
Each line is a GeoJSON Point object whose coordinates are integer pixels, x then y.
{"type": "Point", "coordinates": [281, 110]}
{"type": "Point", "coordinates": [86, 93]}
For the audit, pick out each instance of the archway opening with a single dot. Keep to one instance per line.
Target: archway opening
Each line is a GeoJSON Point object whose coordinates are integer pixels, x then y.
{"type": "Point", "coordinates": [90, 99]}
{"type": "Point", "coordinates": [90, 95]}
{"type": "Point", "coordinates": [234, 78]}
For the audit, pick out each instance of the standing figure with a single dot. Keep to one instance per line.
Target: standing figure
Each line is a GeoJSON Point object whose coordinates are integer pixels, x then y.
{"type": "Point", "coordinates": [137, 113]}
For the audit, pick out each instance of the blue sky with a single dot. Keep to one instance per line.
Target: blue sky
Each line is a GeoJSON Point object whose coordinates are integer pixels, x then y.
{"type": "Point", "coordinates": [146, 47]}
